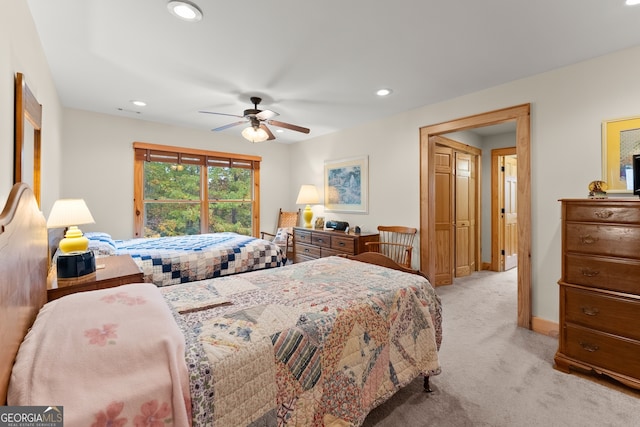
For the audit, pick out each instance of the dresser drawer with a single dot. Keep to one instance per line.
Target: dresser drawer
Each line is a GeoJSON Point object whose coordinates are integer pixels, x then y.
{"type": "Point", "coordinates": [611, 240]}
{"type": "Point", "coordinates": [603, 350]}
{"type": "Point", "coordinates": [343, 244]}
{"type": "Point", "coordinates": [602, 212]}
{"type": "Point", "coordinates": [331, 252]}
{"type": "Point", "coordinates": [615, 315]}
{"type": "Point", "coordinates": [321, 240]}
{"type": "Point", "coordinates": [622, 275]}
{"type": "Point", "coordinates": [301, 236]}
{"type": "Point", "coordinates": [302, 258]}
{"type": "Point", "coordinates": [307, 250]}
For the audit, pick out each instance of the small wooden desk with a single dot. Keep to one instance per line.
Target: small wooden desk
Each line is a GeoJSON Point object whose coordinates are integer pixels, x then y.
{"type": "Point", "coordinates": [110, 272]}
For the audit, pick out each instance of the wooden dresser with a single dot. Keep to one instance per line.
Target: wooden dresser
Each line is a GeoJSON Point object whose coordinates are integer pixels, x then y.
{"type": "Point", "coordinates": [310, 244]}
{"type": "Point", "coordinates": [600, 288]}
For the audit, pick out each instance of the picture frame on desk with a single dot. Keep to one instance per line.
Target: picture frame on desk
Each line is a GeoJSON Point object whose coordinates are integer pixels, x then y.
{"type": "Point", "coordinates": [620, 141]}
{"type": "Point", "coordinates": [346, 185]}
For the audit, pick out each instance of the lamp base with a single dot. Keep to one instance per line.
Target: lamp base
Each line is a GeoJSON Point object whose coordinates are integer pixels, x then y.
{"type": "Point", "coordinates": [75, 264]}
{"type": "Point", "coordinates": [307, 214]}
{"type": "Point", "coordinates": [74, 241]}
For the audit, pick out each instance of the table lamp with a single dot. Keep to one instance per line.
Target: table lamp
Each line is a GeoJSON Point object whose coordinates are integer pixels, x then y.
{"type": "Point", "coordinates": [308, 195]}
{"type": "Point", "coordinates": [74, 260]}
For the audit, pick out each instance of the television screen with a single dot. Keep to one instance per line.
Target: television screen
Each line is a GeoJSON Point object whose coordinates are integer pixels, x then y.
{"type": "Point", "coordinates": [636, 174]}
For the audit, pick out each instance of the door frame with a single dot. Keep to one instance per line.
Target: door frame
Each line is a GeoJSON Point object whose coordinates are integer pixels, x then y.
{"type": "Point", "coordinates": [497, 235]}
{"type": "Point", "coordinates": [521, 115]}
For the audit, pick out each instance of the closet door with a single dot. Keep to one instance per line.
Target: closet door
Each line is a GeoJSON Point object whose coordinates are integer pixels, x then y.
{"type": "Point", "coordinates": [444, 218]}
{"type": "Point", "coordinates": [464, 211]}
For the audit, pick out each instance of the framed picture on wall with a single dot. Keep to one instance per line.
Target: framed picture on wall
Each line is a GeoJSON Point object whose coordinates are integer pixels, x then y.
{"type": "Point", "coordinates": [620, 141]}
{"type": "Point", "coordinates": [346, 186]}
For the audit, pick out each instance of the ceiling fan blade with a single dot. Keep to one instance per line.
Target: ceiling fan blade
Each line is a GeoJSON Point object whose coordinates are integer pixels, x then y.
{"type": "Point", "coordinates": [266, 114]}
{"type": "Point", "coordinates": [266, 129]}
{"type": "Point", "coordinates": [289, 126]}
{"type": "Point", "coordinates": [230, 125]}
{"type": "Point", "coordinates": [220, 114]}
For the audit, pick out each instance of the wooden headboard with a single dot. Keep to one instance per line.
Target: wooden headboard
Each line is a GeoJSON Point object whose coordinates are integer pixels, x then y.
{"type": "Point", "coordinates": [23, 274]}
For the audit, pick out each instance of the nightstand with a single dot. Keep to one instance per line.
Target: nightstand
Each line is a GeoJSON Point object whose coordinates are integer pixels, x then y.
{"type": "Point", "coordinates": [110, 272]}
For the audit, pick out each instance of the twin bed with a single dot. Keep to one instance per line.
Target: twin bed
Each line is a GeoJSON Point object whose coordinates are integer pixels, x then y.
{"type": "Point", "coordinates": [171, 260]}
{"type": "Point", "coordinates": [316, 343]}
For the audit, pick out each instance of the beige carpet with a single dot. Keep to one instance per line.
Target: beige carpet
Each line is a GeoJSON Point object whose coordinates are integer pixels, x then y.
{"type": "Point", "coordinates": [496, 374]}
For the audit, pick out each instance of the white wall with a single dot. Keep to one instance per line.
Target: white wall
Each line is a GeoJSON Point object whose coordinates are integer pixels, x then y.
{"type": "Point", "coordinates": [21, 51]}
{"type": "Point", "coordinates": [567, 108]}
{"type": "Point", "coordinates": [98, 165]}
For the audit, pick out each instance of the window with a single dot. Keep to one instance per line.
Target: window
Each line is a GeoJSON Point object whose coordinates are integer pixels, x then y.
{"type": "Point", "coordinates": [187, 191]}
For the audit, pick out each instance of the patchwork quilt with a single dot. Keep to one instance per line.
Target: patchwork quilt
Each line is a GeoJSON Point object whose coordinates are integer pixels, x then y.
{"type": "Point", "coordinates": [179, 259]}
{"type": "Point", "coordinates": [318, 343]}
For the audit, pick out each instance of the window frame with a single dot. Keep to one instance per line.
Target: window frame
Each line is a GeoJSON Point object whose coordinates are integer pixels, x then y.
{"type": "Point", "coordinates": [143, 152]}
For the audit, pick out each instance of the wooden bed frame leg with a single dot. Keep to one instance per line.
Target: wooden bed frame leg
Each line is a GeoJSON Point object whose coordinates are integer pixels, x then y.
{"type": "Point", "coordinates": [426, 386]}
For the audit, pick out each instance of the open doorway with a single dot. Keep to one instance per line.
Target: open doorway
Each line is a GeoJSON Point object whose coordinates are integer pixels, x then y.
{"type": "Point", "coordinates": [504, 209]}
{"type": "Point", "coordinates": [429, 238]}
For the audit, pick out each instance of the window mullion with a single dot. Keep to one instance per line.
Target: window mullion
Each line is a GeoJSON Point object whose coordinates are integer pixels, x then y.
{"type": "Point", "coordinates": [204, 199]}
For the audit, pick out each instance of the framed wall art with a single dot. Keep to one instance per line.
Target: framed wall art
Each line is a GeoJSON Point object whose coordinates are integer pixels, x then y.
{"type": "Point", "coordinates": [346, 186]}
{"type": "Point", "coordinates": [620, 141]}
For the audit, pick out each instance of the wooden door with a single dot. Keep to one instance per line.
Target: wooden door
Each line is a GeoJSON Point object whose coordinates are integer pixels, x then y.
{"type": "Point", "coordinates": [444, 232]}
{"type": "Point", "coordinates": [510, 222]}
{"type": "Point", "coordinates": [463, 212]}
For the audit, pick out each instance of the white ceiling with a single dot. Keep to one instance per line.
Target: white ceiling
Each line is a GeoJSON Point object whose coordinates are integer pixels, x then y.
{"type": "Point", "coordinates": [318, 64]}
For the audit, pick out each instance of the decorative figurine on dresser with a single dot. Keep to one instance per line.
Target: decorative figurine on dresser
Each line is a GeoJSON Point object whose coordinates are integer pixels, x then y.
{"type": "Point", "coordinates": [600, 288]}
{"type": "Point", "coordinates": [598, 190]}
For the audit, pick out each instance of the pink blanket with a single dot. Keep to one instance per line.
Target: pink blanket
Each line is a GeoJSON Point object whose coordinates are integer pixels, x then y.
{"type": "Point", "coordinates": [123, 366]}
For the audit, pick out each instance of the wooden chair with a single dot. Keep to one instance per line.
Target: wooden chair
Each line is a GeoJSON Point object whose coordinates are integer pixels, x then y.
{"type": "Point", "coordinates": [284, 231]}
{"type": "Point", "coordinates": [396, 242]}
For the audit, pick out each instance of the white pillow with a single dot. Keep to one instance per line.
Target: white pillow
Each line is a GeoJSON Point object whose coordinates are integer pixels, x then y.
{"type": "Point", "coordinates": [281, 235]}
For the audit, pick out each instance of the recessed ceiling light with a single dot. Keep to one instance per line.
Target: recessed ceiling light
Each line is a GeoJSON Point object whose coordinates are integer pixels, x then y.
{"type": "Point", "coordinates": [279, 130]}
{"type": "Point", "coordinates": [383, 92]}
{"type": "Point", "coordinates": [632, 2]}
{"type": "Point", "coordinates": [185, 10]}
{"type": "Point", "coordinates": [139, 103]}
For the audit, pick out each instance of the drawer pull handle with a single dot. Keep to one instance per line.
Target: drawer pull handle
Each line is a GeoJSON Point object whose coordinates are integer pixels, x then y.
{"type": "Point", "coordinates": [341, 244]}
{"type": "Point", "coordinates": [320, 240]}
{"type": "Point", "coordinates": [306, 250]}
{"type": "Point", "coordinates": [588, 239]}
{"type": "Point", "coordinates": [590, 311]}
{"type": "Point", "coordinates": [589, 273]}
{"type": "Point", "coordinates": [603, 214]}
{"type": "Point", "coordinates": [591, 348]}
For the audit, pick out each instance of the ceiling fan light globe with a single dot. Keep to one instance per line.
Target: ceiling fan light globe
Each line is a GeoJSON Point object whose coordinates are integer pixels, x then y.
{"type": "Point", "coordinates": [255, 135]}
{"type": "Point", "coordinates": [185, 10]}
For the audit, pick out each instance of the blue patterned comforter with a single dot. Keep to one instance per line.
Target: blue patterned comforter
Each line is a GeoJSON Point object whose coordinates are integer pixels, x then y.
{"type": "Point", "coordinates": [180, 259]}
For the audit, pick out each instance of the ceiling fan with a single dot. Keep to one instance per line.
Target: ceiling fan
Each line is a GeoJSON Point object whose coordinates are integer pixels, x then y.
{"type": "Point", "coordinates": [258, 120]}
